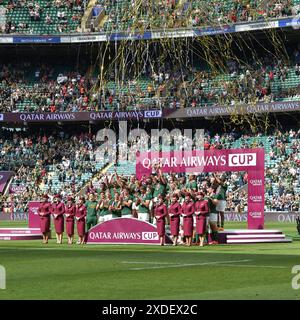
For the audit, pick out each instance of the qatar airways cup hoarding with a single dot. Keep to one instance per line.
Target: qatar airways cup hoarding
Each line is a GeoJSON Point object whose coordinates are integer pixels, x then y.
{"type": "Point", "coordinates": [33, 216]}
{"type": "Point", "coordinates": [200, 161]}
{"type": "Point", "coordinates": [197, 161]}
{"type": "Point", "coordinates": [124, 231]}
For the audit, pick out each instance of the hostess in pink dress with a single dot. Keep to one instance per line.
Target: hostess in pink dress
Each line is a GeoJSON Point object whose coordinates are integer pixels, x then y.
{"type": "Point", "coordinates": [44, 212]}
{"type": "Point", "coordinates": [59, 210]}
{"type": "Point", "coordinates": [81, 214]}
{"type": "Point", "coordinates": [188, 209]}
{"type": "Point", "coordinates": [202, 207]}
{"type": "Point", "coordinates": [70, 215]}
{"type": "Point", "coordinates": [174, 213]}
{"type": "Point", "coordinates": [160, 213]}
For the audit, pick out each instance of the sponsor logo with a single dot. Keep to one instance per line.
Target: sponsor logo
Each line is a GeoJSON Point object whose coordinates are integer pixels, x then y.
{"type": "Point", "coordinates": [34, 210]}
{"type": "Point", "coordinates": [242, 159]}
{"type": "Point", "coordinates": [286, 217]}
{"type": "Point", "coordinates": [236, 217]}
{"type": "Point", "coordinates": [172, 34]}
{"type": "Point", "coordinates": [296, 22]}
{"type": "Point", "coordinates": [116, 115]}
{"type": "Point", "coordinates": [46, 116]}
{"type": "Point", "coordinates": [255, 214]}
{"type": "Point", "coordinates": [256, 182]}
{"type": "Point", "coordinates": [150, 236]}
{"type": "Point", "coordinates": [257, 26]}
{"type": "Point", "coordinates": [256, 198]}
{"type": "Point", "coordinates": [17, 189]}
{"type": "Point", "coordinates": [110, 236]}
{"type": "Point", "coordinates": [153, 114]}
{"type": "Point", "coordinates": [99, 38]}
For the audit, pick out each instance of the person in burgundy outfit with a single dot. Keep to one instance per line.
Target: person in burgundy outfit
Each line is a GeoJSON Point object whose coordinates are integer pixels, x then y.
{"type": "Point", "coordinates": [44, 212]}
{"type": "Point", "coordinates": [80, 216]}
{"type": "Point", "coordinates": [160, 214]}
{"type": "Point", "coordinates": [201, 212]}
{"type": "Point", "coordinates": [70, 210]}
{"type": "Point", "coordinates": [58, 210]}
{"type": "Point", "coordinates": [188, 209]}
{"type": "Point", "coordinates": [174, 213]}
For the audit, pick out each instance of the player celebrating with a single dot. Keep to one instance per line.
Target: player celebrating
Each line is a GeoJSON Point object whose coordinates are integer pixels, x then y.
{"type": "Point", "coordinates": [212, 198]}
{"type": "Point", "coordinates": [126, 204]}
{"type": "Point", "coordinates": [115, 206]}
{"type": "Point", "coordinates": [221, 206]}
{"type": "Point", "coordinates": [103, 206]}
{"type": "Point", "coordinates": [91, 217]}
{"type": "Point", "coordinates": [142, 203]}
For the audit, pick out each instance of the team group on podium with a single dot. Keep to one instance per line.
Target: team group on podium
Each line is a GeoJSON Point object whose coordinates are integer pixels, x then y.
{"type": "Point", "coordinates": [192, 210]}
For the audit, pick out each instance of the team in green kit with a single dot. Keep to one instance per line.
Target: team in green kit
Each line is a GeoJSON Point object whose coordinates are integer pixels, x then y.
{"type": "Point", "coordinates": [91, 211]}
{"type": "Point", "coordinates": [193, 207]}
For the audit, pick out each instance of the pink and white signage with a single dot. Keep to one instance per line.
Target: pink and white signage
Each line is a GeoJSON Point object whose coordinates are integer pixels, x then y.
{"type": "Point", "coordinates": [197, 161]}
{"type": "Point", "coordinates": [33, 217]}
{"type": "Point", "coordinates": [17, 189]}
{"type": "Point", "coordinates": [124, 231]}
{"type": "Point", "coordinates": [4, 178]}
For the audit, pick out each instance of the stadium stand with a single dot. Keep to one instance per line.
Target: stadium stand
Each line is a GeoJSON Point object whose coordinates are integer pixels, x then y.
{"type": "Point", "coordinates": [42, 16]}
{"type": "Point", "coordinates": [52, 88]}
{"type": "Point", "coordinates": [125, 15]}
{"type": "Point", "coordinates": [54, 163]}
{"type": "Point", "coordinates": [62, 163]}
{"type": "Point", "coordinates": [64, 16]}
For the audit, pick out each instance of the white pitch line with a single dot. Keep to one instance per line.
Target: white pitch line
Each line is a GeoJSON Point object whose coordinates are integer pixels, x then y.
{"type": "Point", "coordinates": [188, 265]}
{"type": "Point", "coordinates": [31, 249]}
{"type": "Point", "coordinates": [254, 266]}
{"type": "Point", "coordinates": [148, 262]}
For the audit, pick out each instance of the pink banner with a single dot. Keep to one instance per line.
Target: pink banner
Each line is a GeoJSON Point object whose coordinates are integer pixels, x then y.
{"type": "Point", "coordinates": [197, 161]}
{"type": "Point", "coordinates": [124, 231]}
{"type": "Point", "coordinates": [256, 198]}
{"type": "Point", "coordinates": [33, 217]}
{"type": "Point", "coordinates": [17, 189]}
{"type": "Point", "coordinates": [4, 177]}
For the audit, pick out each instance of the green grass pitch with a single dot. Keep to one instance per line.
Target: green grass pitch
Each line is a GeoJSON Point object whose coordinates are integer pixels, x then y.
{"type": "Point", "coordinates": [256, 271]}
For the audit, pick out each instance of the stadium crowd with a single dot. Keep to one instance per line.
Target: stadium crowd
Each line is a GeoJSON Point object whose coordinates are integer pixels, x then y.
{"type": "Point", "coordinates": [65, 164]}
{"type": "Point", "coordinates": [32, 88]}
{"type": "Point", "coordinates": [35, 17]}
{"type": "Point", "coordinates": [52, 163]}
{"type": "Point", "coordinates": [145, 15]}
{"type": "Point", "coordinates": [68, 92]}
